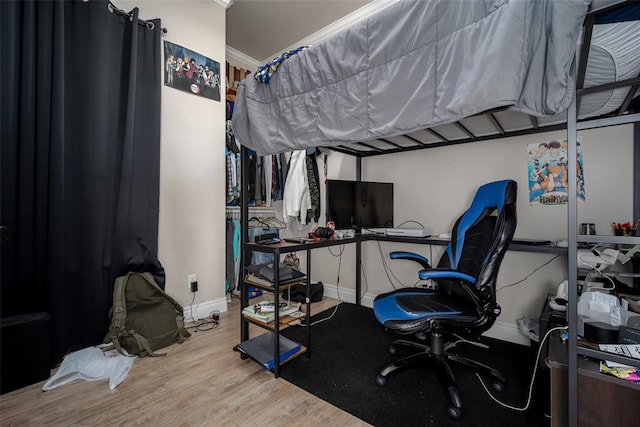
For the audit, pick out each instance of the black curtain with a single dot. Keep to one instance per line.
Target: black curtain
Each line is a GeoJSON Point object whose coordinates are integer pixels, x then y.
{"type": "Point", "coordinates": [80, 160]}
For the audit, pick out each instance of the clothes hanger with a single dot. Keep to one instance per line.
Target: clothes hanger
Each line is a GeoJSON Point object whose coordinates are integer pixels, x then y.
{"type": "Point", "coordinates": [276, 223]}
{"type": "Point", "coordinates": [263, 224]}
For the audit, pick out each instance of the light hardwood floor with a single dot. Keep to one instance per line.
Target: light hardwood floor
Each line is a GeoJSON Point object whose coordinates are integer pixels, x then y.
{"type": "Point", "coordinates": [201, 382]}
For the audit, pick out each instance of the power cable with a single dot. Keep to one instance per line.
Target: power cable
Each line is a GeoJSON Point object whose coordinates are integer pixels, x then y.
{"type": "Point", "coordinates": [528, 275]}
{"type": "Point", "coordinates": [533, 375]}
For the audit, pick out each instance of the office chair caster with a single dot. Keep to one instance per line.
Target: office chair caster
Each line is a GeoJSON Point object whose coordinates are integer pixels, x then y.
{"type": "Point", "coordinates": [497, 386]}
{"type": "Point", "coordinates": [381, 381]}
{"type": "Point", "coordinates": [454, 413]}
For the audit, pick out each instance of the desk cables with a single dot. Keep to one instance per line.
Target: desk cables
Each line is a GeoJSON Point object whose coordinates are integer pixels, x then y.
{"type": "Point", "coordinates": [533, 375]}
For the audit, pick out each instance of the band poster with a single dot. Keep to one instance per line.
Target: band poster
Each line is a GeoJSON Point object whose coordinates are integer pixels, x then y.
{"type": "Point", "coordinates": [547, 167]}
{"type": "Point", "coordinates": [191, 72]}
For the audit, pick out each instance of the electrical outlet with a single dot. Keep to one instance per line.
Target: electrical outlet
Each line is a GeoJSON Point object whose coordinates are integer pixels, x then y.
{"type": "Point", "coordinates": [192, 282]}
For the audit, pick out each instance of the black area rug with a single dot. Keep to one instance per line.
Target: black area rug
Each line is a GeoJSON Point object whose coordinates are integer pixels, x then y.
{"type": "Point", "coordinates": [349, 349]}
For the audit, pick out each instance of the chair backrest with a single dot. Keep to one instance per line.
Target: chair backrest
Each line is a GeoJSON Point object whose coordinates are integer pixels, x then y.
{"type": "Point", "coordinates": [480, 239]}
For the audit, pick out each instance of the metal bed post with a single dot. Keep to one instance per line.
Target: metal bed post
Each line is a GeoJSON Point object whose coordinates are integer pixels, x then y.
{"type": "Point", "coordinates": [572, 306]}
{"type": "Point", "coordinates": [358, 243]}
{"type": "Point", "coordinates": [244, 236]}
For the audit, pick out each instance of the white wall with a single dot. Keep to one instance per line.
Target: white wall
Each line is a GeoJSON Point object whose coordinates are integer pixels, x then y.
{"type": "Point", "coordinates": [434, 186]}
{"type": "Point", "coordinates": [192, 164]}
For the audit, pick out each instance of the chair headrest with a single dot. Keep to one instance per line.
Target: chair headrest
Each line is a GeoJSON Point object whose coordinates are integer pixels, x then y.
{"type": "Point", "coordinates": [495, 195]}
{"type": "Point", "coordinates": [489, 197]}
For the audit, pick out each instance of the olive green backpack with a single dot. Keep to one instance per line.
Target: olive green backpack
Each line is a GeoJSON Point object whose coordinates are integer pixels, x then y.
{"type": "Point", "coordinates": [143, 317]}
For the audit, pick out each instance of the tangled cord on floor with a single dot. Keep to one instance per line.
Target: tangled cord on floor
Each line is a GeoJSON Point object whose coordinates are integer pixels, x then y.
{"type": "Point", "coordinates": [211, 322]}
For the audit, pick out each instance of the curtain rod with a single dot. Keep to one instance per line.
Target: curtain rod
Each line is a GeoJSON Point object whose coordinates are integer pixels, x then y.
{"type": "Point", "coordinates": [149, 25]}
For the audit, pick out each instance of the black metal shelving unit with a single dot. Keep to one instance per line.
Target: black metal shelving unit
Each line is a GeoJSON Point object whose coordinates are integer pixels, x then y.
{"type": "Point", "coordinates": [576, 353]}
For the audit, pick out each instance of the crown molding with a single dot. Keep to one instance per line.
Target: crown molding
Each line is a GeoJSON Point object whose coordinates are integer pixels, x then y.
{"type": "Point", "coordinates": [224, 3]}
{"type": "Point", "coordinates": [235, 54]}
{"type": "Point", "coordinates": [343, 23]}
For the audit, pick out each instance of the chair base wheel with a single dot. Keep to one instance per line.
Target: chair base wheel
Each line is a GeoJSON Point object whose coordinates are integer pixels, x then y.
{"type": "Point", "coordinates": [393, 350]}
{"type": "Point", "coordinates": [454, 413]}
{"type": "Point", "coordinates": [498, 387]}
{"type": "Point", "coordinates": [381, 381]}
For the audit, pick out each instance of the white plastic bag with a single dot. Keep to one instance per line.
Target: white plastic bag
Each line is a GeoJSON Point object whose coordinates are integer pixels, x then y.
{"type": "Point", "coordinates": [530, 327]}
{"type": "Point", "coordinates": [91, 364]}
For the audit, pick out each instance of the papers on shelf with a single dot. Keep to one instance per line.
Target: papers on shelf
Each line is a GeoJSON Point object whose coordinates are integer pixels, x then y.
{"type": "Point", "coordinates": [265, 311]}
{"type": "Point", "coordinates": [629, 350]}
{"type": "Point", "coordinates": [628, 373]}
{"type": "Point", "coordinates": [619, 370]}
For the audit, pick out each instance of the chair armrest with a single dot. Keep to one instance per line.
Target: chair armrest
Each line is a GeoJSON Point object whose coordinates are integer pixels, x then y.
{"type": "Point", "coordinates": [445, 273]}
{"type": "Point", "coordinates": [423, 261]}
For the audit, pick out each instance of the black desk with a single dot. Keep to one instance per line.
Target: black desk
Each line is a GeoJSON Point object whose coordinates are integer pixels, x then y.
{"type": "Point", "coordinates": [286, 247]}
{"type": "Point", "coordinates": [603, 400]}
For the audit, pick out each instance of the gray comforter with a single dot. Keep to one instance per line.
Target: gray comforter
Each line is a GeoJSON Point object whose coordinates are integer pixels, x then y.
{"type": "Point", "coordinates": [414, 65]}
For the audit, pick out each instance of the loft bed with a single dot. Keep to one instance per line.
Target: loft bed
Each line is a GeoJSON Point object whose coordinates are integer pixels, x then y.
{"type": "Point", "coordinates": [541, 66]}
{"type": "Point", "coordinates": [424, 74]}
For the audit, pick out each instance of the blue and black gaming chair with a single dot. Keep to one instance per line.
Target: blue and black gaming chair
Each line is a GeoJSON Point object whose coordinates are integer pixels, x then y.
{"type": "Point", "coordinates": [460, 301]}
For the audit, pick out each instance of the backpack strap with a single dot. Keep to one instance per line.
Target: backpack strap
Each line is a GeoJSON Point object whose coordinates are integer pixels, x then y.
{"type": "Point", "coordinates": [119, 313]}
{"type": "Point", "coordinates": [182, 331]}
{"type": "Point", "coordinates": [142, 342]}
{"type": "Point", "coordinates": [119, 316]}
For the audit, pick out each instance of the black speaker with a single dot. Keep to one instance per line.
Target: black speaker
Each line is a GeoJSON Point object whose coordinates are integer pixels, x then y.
{"type": "Point", "coordinates": [25, 350]}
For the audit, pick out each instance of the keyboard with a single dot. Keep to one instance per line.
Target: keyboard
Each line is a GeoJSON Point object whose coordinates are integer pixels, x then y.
{"type": "Point", "coordinates": [531, 242]}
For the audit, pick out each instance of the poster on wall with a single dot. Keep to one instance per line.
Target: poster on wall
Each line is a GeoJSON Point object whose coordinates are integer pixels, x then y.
{"type": "Point", "coordinates": [191, 72]}
{"type": "Point", "coordinates": [547, 167]}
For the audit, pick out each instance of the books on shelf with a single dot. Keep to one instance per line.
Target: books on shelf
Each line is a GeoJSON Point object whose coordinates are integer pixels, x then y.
{"type": "Point", "coordinates": [261, 349]}
{"type": "Point", "coordinates": [265, 311]}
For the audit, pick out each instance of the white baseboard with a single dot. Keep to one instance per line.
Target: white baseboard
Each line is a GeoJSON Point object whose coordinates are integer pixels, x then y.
{"type": "Point", "coordinates": [347, 295]}
{"type": "Point", "coordinates": [500, 330]}
{"type": "Point", "coordinates": [202, 310]}
{"type": "Point", "coordinates": [507, 332]}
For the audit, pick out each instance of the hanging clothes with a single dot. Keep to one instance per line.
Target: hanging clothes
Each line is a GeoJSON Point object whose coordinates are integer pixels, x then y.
{"type": "Point", "coordinates": [236, 252]}
{"type": "Point", "coordinates": [229, 256]}
{"type": "Point", "coordinates": [313, 178]}
{"type": "Point", "coordinates": [296, 199]}
{"type": "Point", "coordinates": [267, 179]}
{"type": "Point", "coordinates": [232, 158]}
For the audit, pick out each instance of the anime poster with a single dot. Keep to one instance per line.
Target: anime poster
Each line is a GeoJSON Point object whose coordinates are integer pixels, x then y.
{"type": "Point", "coordinates": [191, 72]}
{"type": "Point", "coordinates": [547, 167]}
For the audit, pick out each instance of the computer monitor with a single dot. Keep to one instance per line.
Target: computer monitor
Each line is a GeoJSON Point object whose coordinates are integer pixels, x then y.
{"type": "Point", "coordinates": [359, 204]}
{"type": "Point", "coordinates": [340, 203]}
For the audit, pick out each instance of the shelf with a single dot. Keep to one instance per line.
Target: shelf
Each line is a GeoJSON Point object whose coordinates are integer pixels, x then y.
{"type": "Point", "coordinates": [601, 399]}
{"type": "Point", "coordinates": [623, 240]}
{"type": "Point", "coordinates": [261, 349]}
{"type": "Point", "coordinates": [281, 286]}
{"type": "Point", "coordinates": [285, 321]}
{"type": "Point", "coordinates": [605, 355]}
{"type": "Point", "coordinates": [587, 365]}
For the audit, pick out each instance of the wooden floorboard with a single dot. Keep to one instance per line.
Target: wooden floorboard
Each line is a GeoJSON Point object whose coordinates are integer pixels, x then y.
{"type": "Point", "coordinates": [201, 382]}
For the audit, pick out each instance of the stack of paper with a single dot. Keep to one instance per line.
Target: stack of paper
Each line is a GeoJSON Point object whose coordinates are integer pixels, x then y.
{"type": "Point", "coordinates": [619, 370]}
{"type": "Point", "coordinates": [265, 311]}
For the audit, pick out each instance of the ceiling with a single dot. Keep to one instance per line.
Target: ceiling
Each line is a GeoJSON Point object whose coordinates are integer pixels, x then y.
{"type": "Point", "coordinates": [261, 29]}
